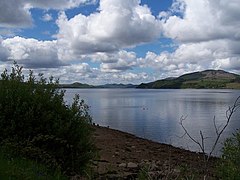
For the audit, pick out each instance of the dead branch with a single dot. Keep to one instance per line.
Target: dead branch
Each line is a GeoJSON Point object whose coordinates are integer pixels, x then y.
{"type": "Point", "coordinates": [229, 114]}
{"type": "Point", "coordinates": [187, 133]}
{"type": "Point", "coordinates": [218, 130]}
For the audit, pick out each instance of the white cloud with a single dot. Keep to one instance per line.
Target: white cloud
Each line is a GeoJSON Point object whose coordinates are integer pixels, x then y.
{"type": "Point", "coordinates": [204, 20]}
{"type": "Point", "coordinates": [205, 35]}
{"type": "Point", "coordinates": [118, 24]}
{"type": "Point", "coordinates": [8, 32]}
{"type": "Point", "coordinates": [16, 13]}
{"type": "Point", "coordinates": [215, 54]}
{"type": "Point", "coordinates": [82, 72]}
{"type": "Point", "coordinates": [58, 4]}
{"type": "Point", "coordinates": [31, 52]}
{"type": "Point", "coordinates": [47, 17]}
{"type": "Point", "coordinates": [4, 53]}
{"type": "Point", "coordinates": [98, 37]}
{"type": "Point", "coordinates": [122, 77]}
{"type": "Point", "coordinates": [132, 77]}
{"type": "Point", "coordinates": [117, 62]}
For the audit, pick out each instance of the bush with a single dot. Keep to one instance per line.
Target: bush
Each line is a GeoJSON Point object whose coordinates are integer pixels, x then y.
{"type": "Point", "coordinates": [35, 122]}
{"type": "Point", "coordinates": [230, 161]}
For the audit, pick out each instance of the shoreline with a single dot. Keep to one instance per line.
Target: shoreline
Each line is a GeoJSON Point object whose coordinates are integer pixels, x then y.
{"type": "Point", "coordinates": [123, 155]}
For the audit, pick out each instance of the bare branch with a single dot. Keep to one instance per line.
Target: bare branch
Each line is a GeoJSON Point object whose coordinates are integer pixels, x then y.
{"type": "Point", "coordinates": [215, 126]}
{"type": "Point", "coordinates": [229, 114]}
{"type": "Point", "coordinates": [218, 130]}
{"type": "Point", "coordinates": [186, 133]}
{"type": "Point", "coordinates": [202, 138]}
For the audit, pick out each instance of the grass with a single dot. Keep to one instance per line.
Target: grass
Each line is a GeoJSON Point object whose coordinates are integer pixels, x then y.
{"type": "Point", "coordinates": [21, 168]}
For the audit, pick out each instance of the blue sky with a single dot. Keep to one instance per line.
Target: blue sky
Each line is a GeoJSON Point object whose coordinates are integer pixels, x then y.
{"type": "Point", "coordinates": [119, 41]}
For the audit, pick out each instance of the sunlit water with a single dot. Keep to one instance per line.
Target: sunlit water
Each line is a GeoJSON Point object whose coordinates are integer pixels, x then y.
{"type": "Point", "coordinates": [155, 114]}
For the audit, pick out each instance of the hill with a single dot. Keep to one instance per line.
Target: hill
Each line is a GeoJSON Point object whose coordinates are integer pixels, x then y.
{"type": "Point", "coordinates": [208, 79]}
{"type": "Point", "coordinates": [76, 85]}
{"type": "Point", "coordinates": [80, 85]}
{"type": "Point", "coordinates": [116, 86]}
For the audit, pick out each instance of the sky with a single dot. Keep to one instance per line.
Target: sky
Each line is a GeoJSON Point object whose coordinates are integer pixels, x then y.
{"type": "Point", "coordinates": [119, 41]}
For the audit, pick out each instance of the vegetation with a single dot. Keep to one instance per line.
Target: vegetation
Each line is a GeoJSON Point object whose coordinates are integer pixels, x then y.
{"type": "Point", "coordinates": [209, 79]}
{"type": "Point", "coordinates": [35, 123]}
{"type": "Point", "coordinates": [22, 168]}
{"type": "Point", "coordinates": [43, 138]}
{"type": "Point", "coordinates": [229, 167]}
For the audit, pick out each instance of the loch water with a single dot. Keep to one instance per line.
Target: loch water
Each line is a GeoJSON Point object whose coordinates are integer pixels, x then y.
{"type": "Point", "coordinates": [155, 113]}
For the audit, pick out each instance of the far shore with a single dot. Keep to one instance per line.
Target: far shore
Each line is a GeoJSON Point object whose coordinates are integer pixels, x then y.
{"type": "Point", "coordinates": [125, 156]}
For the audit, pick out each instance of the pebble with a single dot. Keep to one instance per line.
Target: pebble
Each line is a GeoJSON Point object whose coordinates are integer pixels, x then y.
{"type": "Point", "coordinates": [122, 165]}
{"type": "Point", "coordinates": [132, 165]}
{"type": "Point", "coordinates": [176, 170]}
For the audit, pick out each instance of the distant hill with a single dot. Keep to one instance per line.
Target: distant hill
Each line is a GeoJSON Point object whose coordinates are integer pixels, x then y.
{"type": "Point", "coordinates": [76, 85]}
{"type": "Point", "coordinates": [116, 86]}
{"type": "Point", "coordinates": [80, 85]}
{"type": "Point", "coordinates": [208, 79]}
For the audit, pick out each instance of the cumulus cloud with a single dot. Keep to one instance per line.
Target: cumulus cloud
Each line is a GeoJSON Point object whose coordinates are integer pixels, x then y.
{"type": "Point", "coordinates": [118, 24]}
{"type": "Point", "coordinates": [132, 77]}
{"type": "Point", "coordinates": [4, 53]}
{"type": "Point", "coordinates": [204, 20]}
{"type": "Point", "coordinates": [8, 32]}
{"type": "Point", "coordinates": [81, 72]}
{"type": "Point", "coordinates": [47, 17]}
{"type": "Point", "coordinates": [116, 62]}
{"type": "Point", "coordinates": [84, 73]}
{"type": "Point", "coordinates": [207, 33]}
{"type": "Point", "coordinates": [58, 4]}
{"type": "Point", "coordinates": [122, 77]}
{"type": "Point", "coordinates": [16, 13]}
{"type": "Point", "coordinates": [215, 54]}
{"type": "Point", "coordinates": [98, 37]}
{"type": "Point", "coordinates": [31, 52]}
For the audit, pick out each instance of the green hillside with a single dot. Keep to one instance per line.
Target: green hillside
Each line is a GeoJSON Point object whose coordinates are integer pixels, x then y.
{"type": "Point", "coordinates": [208, 79]}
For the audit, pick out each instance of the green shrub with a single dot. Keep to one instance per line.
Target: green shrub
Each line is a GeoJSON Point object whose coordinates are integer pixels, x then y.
{"type": "Point", "coordinates": [35, 122]}
{"type": "Point", "coordinates": [230, 160]}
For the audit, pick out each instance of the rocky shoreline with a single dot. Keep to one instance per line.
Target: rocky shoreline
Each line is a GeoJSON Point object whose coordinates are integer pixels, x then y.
{"type": "Point", "coordinates": [125, 156]}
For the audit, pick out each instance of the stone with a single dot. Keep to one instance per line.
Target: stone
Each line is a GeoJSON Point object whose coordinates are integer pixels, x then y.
{"type": "Point", "coordinates": [153, 166]}
{"type": "Point", "coordinates": [122, 165]}
{"type": "Point", "coordinates": [177, 170]}
{"type": "Point", "coordinates": [132, 165]}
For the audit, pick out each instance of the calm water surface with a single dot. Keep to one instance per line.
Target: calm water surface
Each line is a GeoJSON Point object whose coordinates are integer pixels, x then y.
{"type": "Point", "coordinates": [155, 114]}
